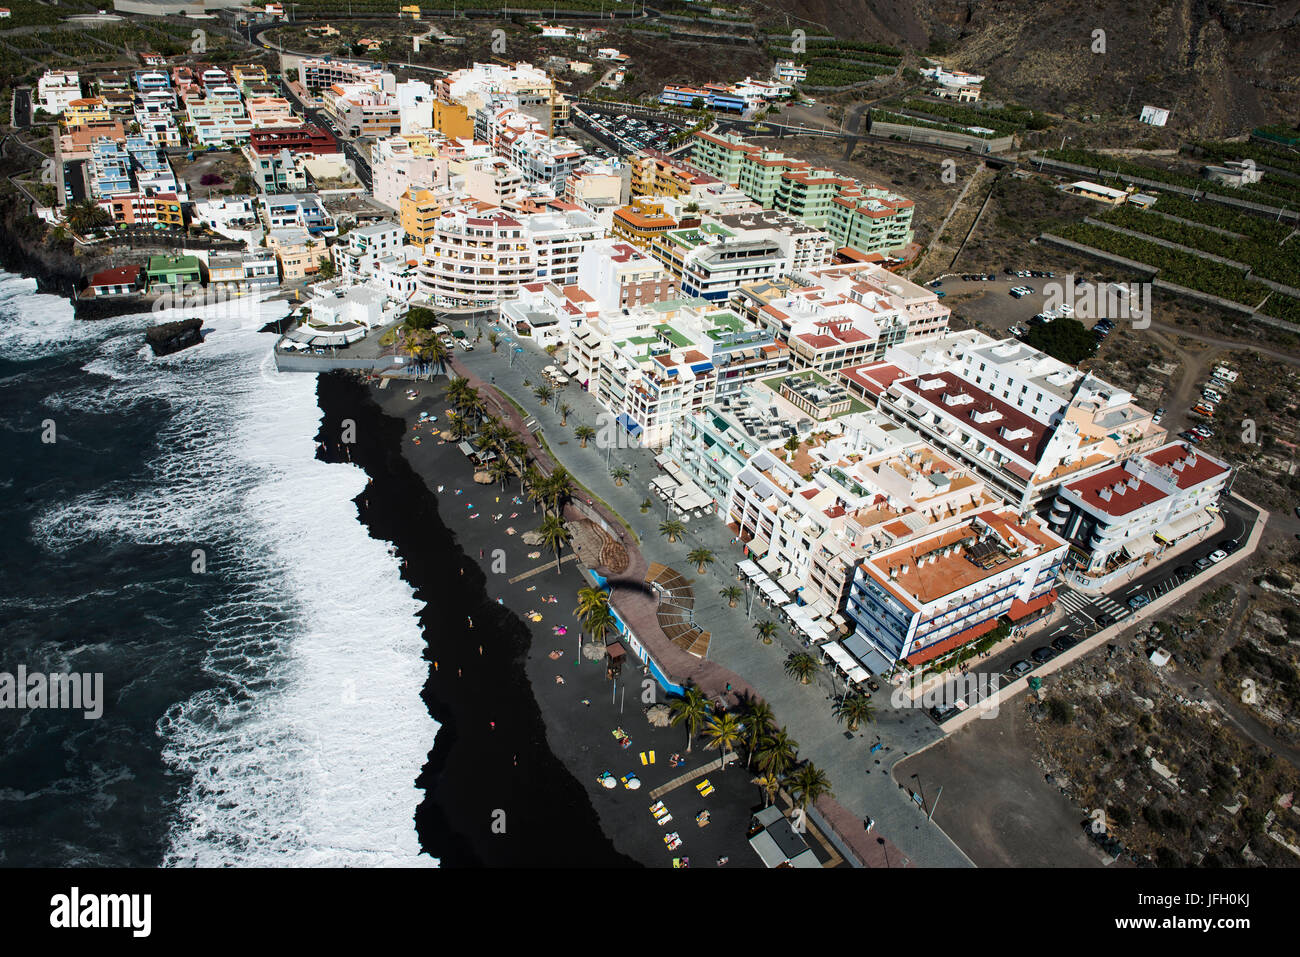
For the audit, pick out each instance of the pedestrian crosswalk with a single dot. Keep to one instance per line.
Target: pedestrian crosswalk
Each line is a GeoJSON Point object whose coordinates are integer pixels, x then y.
{"type": "Point", "coordinates": [1114, 609]}
{"type": "Point", "coordinates": [1072, 602]}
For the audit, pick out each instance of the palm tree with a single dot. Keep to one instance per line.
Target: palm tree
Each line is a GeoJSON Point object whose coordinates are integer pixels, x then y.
{"type": "Point", "coordinates": [417, 344]}
{"type": "Point", "coordinates": [855, 709]}
{"type": "Point", "coordinates": [494, 340]}
{"type": "Point", "coordinates": [791, 446]}
{"type": "Point", "coordinates": [500, 471]}
{"type": "Point", "coordinates": [771, 786]}
{"type": "Point", "coordinates": [458, 424]}
{"type": "Point", "coordinates": [620, 474]}
{"type": "Point", "coordinates": [672, 528]}
{"type": "Point", "coordinates": [475, 407]}
{"type": "Point", "coordinates": [458, 392]}
{"type": "Point", "coordinates": [516, 452]}
{"type": "Point", "coordinates": [692, 708]}
{"type": "Point", "coordinates": [544, 394]}
{"type": "Point", "coordinates": [807, 784]}
{"type": "Point", "coordinates": [559, 489]}
{"type": "Point", "coordinates": [765, 630]}
{"type": "Point", "coordinates": [439, 352]}
{"type": "Point", "coordinates": [534, 486]}
{"type": "Point", "coordinates": [584, 433]}
{"type": "Point", "coordinates": [565, 409]}
{"type": "Point", "coordinates": [600, 623]}
{"type": "Point", "coordinates": [701, 558]}
{"type": "Point", "coordinates": [801, 665]}
{"type": "Point", "coordinates": [776, 752]}
{"type": "Point", "coordinates": [723, 731]}
{"type": "Point", "coordinates": [759, 720]}
{"type": "Point", "coordinates": [554, 535]}
{"type": "Point", "coordinates": [733, 594]}
{"type": "Point", "coordinates": [591, 600]}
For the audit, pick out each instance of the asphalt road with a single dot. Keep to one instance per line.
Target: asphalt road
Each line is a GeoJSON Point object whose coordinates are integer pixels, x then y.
{"type": "Point", "coordinates": [359, 163]}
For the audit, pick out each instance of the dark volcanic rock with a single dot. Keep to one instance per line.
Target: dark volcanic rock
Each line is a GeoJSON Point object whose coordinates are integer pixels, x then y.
{"type": "Point", "coordinates": [168, 337]}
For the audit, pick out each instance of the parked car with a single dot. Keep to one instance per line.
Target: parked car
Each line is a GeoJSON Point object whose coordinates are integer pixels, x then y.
{"type": "Point", "coordinates": [1158, 416]}
{"type": "Point", "coordinates": [1231, 545]}
{"type": "Point", "coordinates": [1203, 563]}
{"type": "Point", "coordinates": [1065, 642]}
{"type": "Point", "coordinates": [1138, 601]}
{"type": "Point", "coordinates": [941, 294]}
{"type": "Point", "coordinates": [1104, 621]}
{"type": "Point", "coordinates": [1190, 437]}
{"type": "Point", "coordinates": [1044, 654]}
{"type": "Point", "coordinates": [1019, 668]}
{"type": "Point", "coordinates": [1065, 309]}
{"type": "Point", "coordinates": [1217, 555]}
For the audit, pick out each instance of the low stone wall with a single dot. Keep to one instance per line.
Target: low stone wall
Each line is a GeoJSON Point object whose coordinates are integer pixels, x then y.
{"type": "Point", "coordinates": [937, 137]}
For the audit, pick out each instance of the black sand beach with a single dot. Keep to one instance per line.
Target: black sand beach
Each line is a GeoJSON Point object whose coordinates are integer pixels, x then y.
{"type": "Point", "coordinates": [475, 770]}
{"type": "Point", "coordinates": [544, 733]}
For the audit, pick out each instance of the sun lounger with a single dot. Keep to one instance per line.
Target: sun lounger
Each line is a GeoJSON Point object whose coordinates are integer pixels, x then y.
{"type": "Point", "coordinates": [644, 759]}
{"type": "Point", "coordinates": [658, 805]}
{"type": "Point", "coordinates": [705, 788]}
{"type": "Point", "coordinates": [652, 757]}
{"type": "Point", "coordinates": [665, 819]}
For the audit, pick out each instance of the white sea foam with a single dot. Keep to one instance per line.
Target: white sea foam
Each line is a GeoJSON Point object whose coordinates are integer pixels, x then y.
{"type": "Point", "coordinates": [306, 748]}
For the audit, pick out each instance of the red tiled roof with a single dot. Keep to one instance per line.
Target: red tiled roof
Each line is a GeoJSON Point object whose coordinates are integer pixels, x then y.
{"type": "Point", "coordinates": [1204, 468]}
{"type": "Point", "coordinates": [1023, 609]}
{"type": "Point", "coordinates": [115, 277]}
{"type": "Point", "coordinates": [1090, 488]}
{"type": "Point", "coordinates": [1029, 448]}
{"type": "Point", "coordinates": [948, 644]}
{"type": "Point", "coordinates": [874, 378]}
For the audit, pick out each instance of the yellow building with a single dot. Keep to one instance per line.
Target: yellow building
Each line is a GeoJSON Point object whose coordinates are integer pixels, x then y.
{"type": "Point", "coordinates": [168, 210]}
{"type": "Point", "coordinates": [663, 176]}
{"type": "Point", "coordinates": [249, 73]}
{"type": "Point", "coordinates": [452, 120]}
{"type": "Point", "coordinates": [91, 109]}
{"type": "Point", "coordinates": [420, 209]}
{"type": "Point", "coordinates": [641, 221]}
{"type": "Point", "coordinates": [409, 12]}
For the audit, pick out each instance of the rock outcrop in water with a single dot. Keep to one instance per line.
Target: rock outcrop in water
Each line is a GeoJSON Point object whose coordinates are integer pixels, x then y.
{"type": "Point", "coordinates": [168, 337]}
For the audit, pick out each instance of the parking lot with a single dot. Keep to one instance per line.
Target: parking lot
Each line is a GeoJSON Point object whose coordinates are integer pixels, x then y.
{"type": "Point", "coordinates": [627, 133]}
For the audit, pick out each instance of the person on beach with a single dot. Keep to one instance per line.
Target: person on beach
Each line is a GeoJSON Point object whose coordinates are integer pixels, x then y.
{"type": "Point", "coordinates": [480, 649]}
{"type": "Point", "coordinates": [469, 621]}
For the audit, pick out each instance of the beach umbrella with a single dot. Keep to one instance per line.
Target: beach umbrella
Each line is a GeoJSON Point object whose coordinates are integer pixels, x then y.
{"type": "Point", "coordinates": [609, 783]}
{"type": "Point", "coordinates": [592, 651]}
{"type": "Point", "coordinates": [483, 478]}
{"type": "Point", "coordinates": [531, 538]}
{"type": "Point", "coordinates": [659, 716]}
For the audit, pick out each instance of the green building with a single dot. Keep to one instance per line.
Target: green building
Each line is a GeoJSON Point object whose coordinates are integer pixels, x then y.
{"type": "Point", "coordinates": [174, 272]}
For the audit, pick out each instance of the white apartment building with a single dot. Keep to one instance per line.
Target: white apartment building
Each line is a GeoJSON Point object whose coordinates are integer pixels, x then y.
{"type": "Point", "coordinates": [396, 165]}
{"type": "Point", "coordinates": [1026, 421]}
{"type": "Point", "coordinates": [358, 254]}
{"type": "Point", "coordinates": [480, 257]}
{"type": "Point", "coordinates": [235, 217]}
{"type": "Point", "coordinates": [56, 89]}
{"type": "Point", "coordinates": [320, 74]}
{"type": "Point", "coordinates": [617, 275]}
{"type": "Point", "coordinates": [918, 601]}
{"type": "Point", "coordinates": [1133, 511]}
{"type": "Point", "coordinates": [415, 106]}
{"type": "Point", "coordinates": [494, 181]}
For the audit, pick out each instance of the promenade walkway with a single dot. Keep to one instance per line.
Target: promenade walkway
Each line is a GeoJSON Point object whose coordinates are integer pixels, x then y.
{"type": "Point", "coordinates": [862, 780]}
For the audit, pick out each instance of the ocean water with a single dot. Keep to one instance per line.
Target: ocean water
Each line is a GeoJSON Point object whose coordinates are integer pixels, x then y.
{"type": "Point", "coordinates": [263, 709]}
